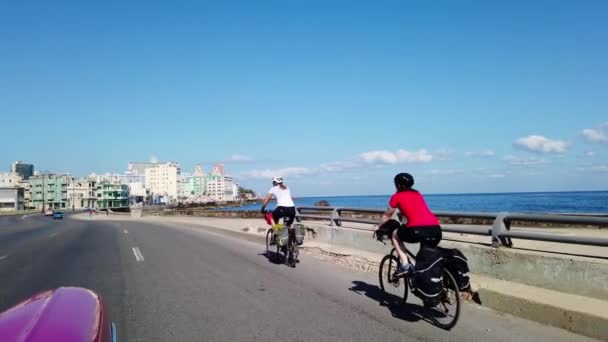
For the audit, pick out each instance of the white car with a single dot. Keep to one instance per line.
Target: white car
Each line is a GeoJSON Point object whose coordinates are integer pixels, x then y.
{"type": "Point", "coordinates": [48, 212]}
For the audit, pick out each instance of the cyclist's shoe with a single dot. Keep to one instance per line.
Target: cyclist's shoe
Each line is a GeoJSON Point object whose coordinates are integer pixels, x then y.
{"type": "Point", "coordinates": [404, 269]}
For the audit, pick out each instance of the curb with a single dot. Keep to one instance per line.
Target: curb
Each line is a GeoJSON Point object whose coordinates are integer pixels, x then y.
{"type": "Point", "coordinates": [578, 322]}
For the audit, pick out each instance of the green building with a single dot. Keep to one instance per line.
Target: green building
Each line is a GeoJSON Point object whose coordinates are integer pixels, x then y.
{"type": "Point", "coordinates": [49, 191]}
{"type": "Point", "coordinates": [112, 196]}
{"type": "Point", "coordinates": [193, 186]}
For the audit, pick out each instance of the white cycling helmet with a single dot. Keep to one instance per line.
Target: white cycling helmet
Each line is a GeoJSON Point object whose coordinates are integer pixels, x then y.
{"type": "Point", "coordinates": [278, 180]}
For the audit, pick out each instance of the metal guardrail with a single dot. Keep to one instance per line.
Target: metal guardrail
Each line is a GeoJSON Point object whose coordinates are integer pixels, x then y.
{"type": "Point", "coordinates": [500, 230]}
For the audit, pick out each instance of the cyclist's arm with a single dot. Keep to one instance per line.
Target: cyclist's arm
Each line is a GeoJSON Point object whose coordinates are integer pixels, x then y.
{"type": "Point", "coordinates": [266, 201]}
{"type": "Point", "coordinates": [387, 215]}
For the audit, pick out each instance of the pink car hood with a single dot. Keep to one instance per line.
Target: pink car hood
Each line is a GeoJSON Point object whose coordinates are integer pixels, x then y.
{"type": "Point", "coordinates": [68, 314]}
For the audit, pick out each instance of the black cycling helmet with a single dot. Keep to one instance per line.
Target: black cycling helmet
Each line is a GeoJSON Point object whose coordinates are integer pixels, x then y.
{"type": "Point", "coordinates": [404, 181]}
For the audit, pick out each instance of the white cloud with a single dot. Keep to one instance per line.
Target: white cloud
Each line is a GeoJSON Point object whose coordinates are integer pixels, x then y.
{"type": "Point", "coordinates": [497, 175]}
{"type": "Point", "coordinates": [588, 153]}
{"type": "Point", "coordinates": [339, 165]}
{"type": "Point", "coordinates": [539, 143]}
{"type": "Point", "coordinates": [240, 158]}
{"type": "Point", "coordinates": [446, 172]}
{"type": "Point", "coordinates": [594, 168]}
{"type": "Point", "coordinates": [594, 135]}
{"type": "Point", "coordinates": [442, 154]}
{"type": "Point", "coordinates": [376, 158]}
{"type": "Point", "coordinates": [601, 168]}
{"type": "Point", "coordinates": [400, 156]}
{"type": "Point", "coordinates": [518, 161]}
{"type": "Point", "coordinates": [283, 172]}
{"type": "Point", "coordinates": [483, 154]}
{"type": "Point", "coordinates": [153, 159]}
{"type": "Point", "coordinates": [488, 154]}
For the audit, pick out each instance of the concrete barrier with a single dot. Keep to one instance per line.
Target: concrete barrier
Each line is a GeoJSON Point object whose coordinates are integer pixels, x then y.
{"type": "Point", "coordinates": [576, 275]}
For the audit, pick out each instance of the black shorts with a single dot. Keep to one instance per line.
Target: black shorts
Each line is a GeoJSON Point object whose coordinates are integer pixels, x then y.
{"type": "Point", "coordinates": [287, 213]}
{"type": "Point", "coordinates": [428, 236]}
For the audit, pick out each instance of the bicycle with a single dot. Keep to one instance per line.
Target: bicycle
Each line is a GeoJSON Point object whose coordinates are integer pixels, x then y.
{"type": "Point", "coordinates": [290, 251]}
{"type": "Point", "coordinates": [443, 316]}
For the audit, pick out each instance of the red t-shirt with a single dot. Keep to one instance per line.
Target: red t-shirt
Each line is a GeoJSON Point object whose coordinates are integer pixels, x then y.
{"type": "Point", "coordinates": [414, 208]}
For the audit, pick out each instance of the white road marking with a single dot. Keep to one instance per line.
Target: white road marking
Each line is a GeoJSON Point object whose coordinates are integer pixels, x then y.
{"type": "Point", "coordinates": [125, 231]}
{"type": "Point", "coordinates": [3, 257]}
{"type": "Point", "coordinates": [28, 215]}
{"type": "Point", "coordinates": [52, 234]}
{"type": "Point", "coordinates": [138, 256]}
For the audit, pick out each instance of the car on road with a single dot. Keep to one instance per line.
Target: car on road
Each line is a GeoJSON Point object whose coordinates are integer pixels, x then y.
{"type": "Point", "coordinates": [48, 212]}
{"type": "Point", "coordinates": [67, 314]}
{"type": "Point", "coordinates": [58, 215]}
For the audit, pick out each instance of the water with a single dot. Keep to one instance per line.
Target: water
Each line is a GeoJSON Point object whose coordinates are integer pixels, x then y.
{"type": "Point", "coordinates": [593, 202]}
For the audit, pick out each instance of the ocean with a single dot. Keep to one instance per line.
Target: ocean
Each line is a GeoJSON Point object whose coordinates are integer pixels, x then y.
{"type": "Point", "coordinates": [589, 202]}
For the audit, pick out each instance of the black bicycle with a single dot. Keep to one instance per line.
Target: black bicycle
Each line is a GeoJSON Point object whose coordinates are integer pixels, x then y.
{"type": "Point", "coordinates": [287, 245]}
{"type": "Point", "coordinates": [445, 315]}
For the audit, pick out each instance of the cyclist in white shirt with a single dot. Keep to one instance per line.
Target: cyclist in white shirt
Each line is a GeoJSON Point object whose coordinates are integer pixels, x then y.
{"type": "Point", "coordinates": [285, 206]}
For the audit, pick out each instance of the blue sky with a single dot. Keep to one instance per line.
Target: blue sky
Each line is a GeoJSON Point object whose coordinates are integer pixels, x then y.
{"type": "Point", "coordinates": [336, 96]}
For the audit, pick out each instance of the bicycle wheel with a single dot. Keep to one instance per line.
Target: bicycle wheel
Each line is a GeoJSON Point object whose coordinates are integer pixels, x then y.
{"type": "Point", "coordinates": [395, 286]}
{"type": "Point", "coordinates": [446, 313]}
{"type": "Point", "coordinates": [269, 237]}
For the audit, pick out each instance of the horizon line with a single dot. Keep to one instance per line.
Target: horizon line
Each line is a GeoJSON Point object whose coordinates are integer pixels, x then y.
{"type": "Point", "coordinates": [463, 193]}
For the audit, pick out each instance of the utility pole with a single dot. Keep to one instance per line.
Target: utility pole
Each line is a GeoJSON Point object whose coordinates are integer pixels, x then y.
{"type": "Point", "coordinates": [73, 194]}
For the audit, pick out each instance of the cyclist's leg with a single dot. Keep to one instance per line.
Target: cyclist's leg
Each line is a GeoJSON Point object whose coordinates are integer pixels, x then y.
{"type": "Point", "coordinates": [399, 246]}
{"type": "Point", "coordinates": [289, 215]}
{"type": "Point", "coordinates": [277, 214]}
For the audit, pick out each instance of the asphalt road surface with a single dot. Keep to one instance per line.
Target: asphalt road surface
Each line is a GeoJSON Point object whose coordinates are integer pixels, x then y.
{"type": "Point", "coordinates": [174, 283]}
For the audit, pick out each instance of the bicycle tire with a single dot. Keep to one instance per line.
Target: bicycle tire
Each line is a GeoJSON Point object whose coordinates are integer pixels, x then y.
{"type": "Point", "coordinates": [268, 237]}
{"type": "Point", "coordinates": [388, 266]}
{"type": "Point", "coordinates": [449, 284]}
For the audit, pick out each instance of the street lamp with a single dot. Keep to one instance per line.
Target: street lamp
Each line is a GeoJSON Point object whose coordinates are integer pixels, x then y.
{"type": "Point", "coordinates": [73, 194]}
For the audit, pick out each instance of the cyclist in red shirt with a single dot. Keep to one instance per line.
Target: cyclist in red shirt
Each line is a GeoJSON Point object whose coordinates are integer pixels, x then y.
{"type": "Point", "coordinates": [421, 226]}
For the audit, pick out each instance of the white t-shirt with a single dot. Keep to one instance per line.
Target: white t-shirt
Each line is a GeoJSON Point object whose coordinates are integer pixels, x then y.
{"type": "Point", "coordinates": [283, 196]}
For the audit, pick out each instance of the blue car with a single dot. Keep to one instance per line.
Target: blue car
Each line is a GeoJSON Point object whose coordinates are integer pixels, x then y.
{"type": "Point", "coordinates": [58, 215]}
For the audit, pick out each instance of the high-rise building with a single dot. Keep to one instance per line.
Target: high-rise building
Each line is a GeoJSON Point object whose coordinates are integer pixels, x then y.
{"type": "Point", "coordinates": [218, 169]}
{"type": "Point", "coordinates": [162, 180]}
{"type": "Point", "coordinates": [220, 188]}
{"type": "Point", "coordinates": [25, 170]}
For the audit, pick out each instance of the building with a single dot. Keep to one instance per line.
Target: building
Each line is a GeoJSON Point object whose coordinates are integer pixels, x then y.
{"type": "Point", "coordinates": [235, 192]}
{"type": "Point", "coordinates": [198, 171]}
{"type": "Point", "coordinates": [218, 169]}
{"type": "Point", "coordinates": [25, 170]}
{"type": "Point", "coordinates": [82, 193]}
{"type": "Point", "coordinates": [112, 196]}
{"type": "Point", "coordinates": [192, 187]}
{"type": "Point", "coordinates": [25, 184]}
{"type": "Point", "coordinates": [11, 198]}
{"type": "Point", "coordinates": [49, 191]}
{"type": "Point", "coordinates": [228, 188]}
{"type": "Point", "coordinates": [219, 187]}
{"type": "Point", "coordinates": [10, 180]}
{"type": "Point", "coordinates": [162, 181]}
{"type": "Point", "coordinates": [139, 168]}
{"type": "Point", "coordinates": [134, 180]}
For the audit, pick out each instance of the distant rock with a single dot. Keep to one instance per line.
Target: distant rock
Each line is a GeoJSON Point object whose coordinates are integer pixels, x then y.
{"type": "Point", "coordinates": [322, 203]}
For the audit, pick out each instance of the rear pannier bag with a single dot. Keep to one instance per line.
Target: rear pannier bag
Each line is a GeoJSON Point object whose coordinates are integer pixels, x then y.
{"type": "Point", "coordinates": [458, 265]}
{"type": "Point", "coordinates": [428, 276]}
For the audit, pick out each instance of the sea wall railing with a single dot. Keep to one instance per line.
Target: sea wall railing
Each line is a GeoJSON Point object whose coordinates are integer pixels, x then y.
{"type": "Point", "coordinates": [499, 231]}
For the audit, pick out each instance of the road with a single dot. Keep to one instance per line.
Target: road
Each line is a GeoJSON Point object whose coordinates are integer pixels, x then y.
{"type": "Point", "coordinates": [164, 283]}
